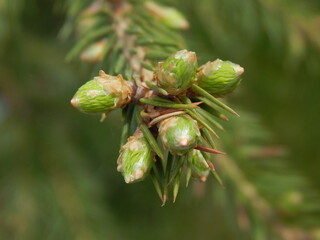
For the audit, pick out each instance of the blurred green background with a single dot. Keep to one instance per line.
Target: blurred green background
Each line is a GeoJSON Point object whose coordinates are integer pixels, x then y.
{"type": "Point", "coordinates": [58, 173]}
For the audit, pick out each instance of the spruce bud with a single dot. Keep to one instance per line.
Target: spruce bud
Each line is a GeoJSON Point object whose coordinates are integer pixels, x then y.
{"type": "Point", "coordinates": [167, 15]}
{"type": "Point", "coordinates": [102, 94]}
{"type": "Point", "coordinates": [90, 18]}
{"type": "Point", "coordinates": [179, 134]}
{"type": "Point", "coordinates": [199, 166]}
{"type": "Point", "coordinates": [219, 77]}
{"type": "Point", "coordinates": [94, 52]}
{"type": "Point", "coordinates": [177, 72]}
{"type": "Point", "coordinates": [136, 158]}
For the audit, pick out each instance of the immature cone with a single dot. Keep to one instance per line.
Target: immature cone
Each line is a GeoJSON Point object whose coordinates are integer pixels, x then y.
{"type": "Point", "coordinates": [102, 94]}
{"type": "Point", "coordinates": [90, 18]}
{"type": "Point", "coordinates": [219, 77]}
{"type": "Point", "coordinates": [93, 53]}
{"type": "Point", "coordinates": [167, 15]}
{"type": "Point", "coordinates": [177, 73]}
{"type": "Point", "coordinates": [199, 166]}
{"type": "Point", "coordinates": [136, 158]}
{"type": "Point", "coordinates": [179, 134]}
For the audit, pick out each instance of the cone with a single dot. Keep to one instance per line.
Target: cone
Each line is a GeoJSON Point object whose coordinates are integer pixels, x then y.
{"type": "Point", "coordinates": [199, 166]}
{"type": "Point", "coordinates": [136, 158]}
{"type": "Point", "coordinates": [102, 94]}
{"type": "Point", "coordinates": [179, 134]}
{"type": "Point", "coordinates": [219, 77]}
{"type": "Point", "coordinates": [177, 73]}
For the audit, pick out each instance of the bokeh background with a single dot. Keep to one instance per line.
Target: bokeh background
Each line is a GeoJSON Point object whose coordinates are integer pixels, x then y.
{"type": "Point", "coordinates": [58, 177]}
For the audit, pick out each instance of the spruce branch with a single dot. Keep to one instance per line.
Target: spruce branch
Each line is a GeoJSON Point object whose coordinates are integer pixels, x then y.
{"type": "Point", "coordinates": [156, 87]}
{"type": "Point", "coordinates": [160, 109]}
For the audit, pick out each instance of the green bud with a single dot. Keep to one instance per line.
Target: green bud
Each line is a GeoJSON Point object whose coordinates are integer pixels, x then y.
{"type": "Point", "coordinates": [90, 18]}
{"type": "Point", "coordinates": [102, 94]}
{"type": "Point", "coordinates": [177, 73]}
{"type": "Point", "coordinates": [167, 15]}
{"type": "Point", "coordinates": [291, 201]}
{"type": "Point", "coordinates": [136, 158]}
{"type": "Point", "coordinates": [199, 166]}
{"type": "Point", "coordinates": [219, 77]}
{"type": "Point", "coordinates": [179, 134]}
{"type": "Point", "coordinates": [94, 51]}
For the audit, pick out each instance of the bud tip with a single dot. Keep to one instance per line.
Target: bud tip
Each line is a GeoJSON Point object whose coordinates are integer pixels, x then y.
{"type": "Point", "coordinates": [128, 180]}
{"type": "Point", "coordinates": [183, 142]}
{"type": "Point", "coordinates": [203, 178]}
{"type": "Point", "coordinates": [74, 102]}
{"type": "Point", "coordinates": [239, 69]}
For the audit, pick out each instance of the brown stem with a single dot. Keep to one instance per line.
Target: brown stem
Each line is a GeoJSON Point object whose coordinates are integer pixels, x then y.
{"type": "Point", "coordinates": [207, 149]}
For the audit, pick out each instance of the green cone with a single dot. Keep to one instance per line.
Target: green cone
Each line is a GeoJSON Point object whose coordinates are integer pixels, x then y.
{"type": "Point", "coordinates": [94, 51]}
{"type": "Point", "coordinates": [102, 94]}
{"type": "Point", "coordinates": [219, 77]}
{"type": "Point", "coordinates": [136, 158]}
{"type": "Point", "coordinates": [167, 15]}
{"type": "Point", "coordinates": [199, 166]}
{"type": "Point", "coordinates": [177, 73]}
{"type": "Point", "coordinates": [179, 134]}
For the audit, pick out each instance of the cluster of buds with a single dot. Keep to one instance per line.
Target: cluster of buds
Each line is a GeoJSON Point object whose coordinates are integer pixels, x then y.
{"type": "Point", "coordinates": [173, 131]}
